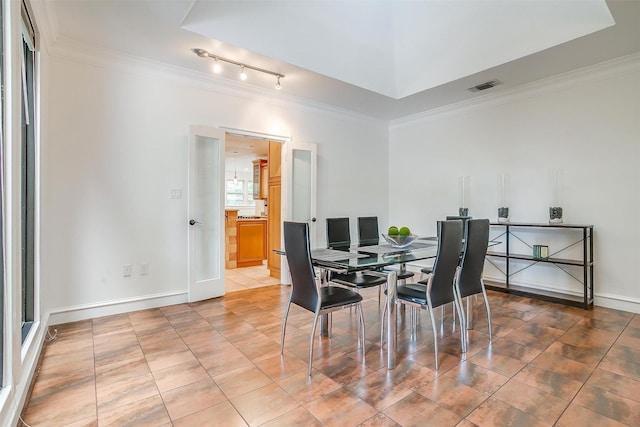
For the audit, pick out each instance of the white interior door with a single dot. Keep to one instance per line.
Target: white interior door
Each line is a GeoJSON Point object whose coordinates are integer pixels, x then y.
{"type": "Point", "coordinates": [206, 213]}
{"type": "Point", "coordinates": [300, 160]}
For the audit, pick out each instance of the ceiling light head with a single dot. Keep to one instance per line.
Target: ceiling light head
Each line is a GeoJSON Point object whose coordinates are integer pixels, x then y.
{"type": "Point", "coordinates": [200, 52]}
{"type": "Point", "coordinates": [278, 85]}
{"type": "Point", "coordinates": [243, 75]}
{"type": "Point", "coordinates": [216, 66]}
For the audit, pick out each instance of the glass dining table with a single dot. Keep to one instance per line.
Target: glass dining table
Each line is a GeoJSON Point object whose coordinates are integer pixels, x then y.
{"type": "Point", "coordinates": [372, 259]}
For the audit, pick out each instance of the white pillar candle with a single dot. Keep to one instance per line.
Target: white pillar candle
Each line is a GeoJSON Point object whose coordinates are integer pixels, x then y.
{"type": "Point", "coordinates": [463, 189]}
{"type": "Point", "coordinates": [502, 190]}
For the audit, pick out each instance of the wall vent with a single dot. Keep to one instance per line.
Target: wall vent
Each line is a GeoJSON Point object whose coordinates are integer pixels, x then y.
{"type": "Point", "coordinates": [485, 86]}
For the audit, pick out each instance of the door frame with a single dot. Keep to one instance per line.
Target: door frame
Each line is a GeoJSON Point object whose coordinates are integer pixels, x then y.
{"type": "Point", "coordinates": [285, 186]}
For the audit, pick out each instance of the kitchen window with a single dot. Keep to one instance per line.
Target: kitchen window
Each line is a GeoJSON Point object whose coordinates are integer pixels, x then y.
{"type": "Point", "coordinates": [239, 193]}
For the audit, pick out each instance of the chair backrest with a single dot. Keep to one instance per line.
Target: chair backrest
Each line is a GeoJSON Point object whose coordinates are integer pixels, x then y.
{"type": "Point", "coordinates": [464, 219]}
{"type": "Point", "coordinates": [476, 242]}
{"type": "Point", "coordinates": [368, 231]}
{"type": "Point", "coordinates": [446, 263]}
{"type": "Point", "coordinates": [304, 291]}
{"type": "Point", "coordinates": [338, 234]}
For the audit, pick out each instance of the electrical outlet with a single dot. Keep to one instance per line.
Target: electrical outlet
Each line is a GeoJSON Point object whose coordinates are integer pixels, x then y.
{"type": "Point", "coordinates": [126, 270]}
{"type": "Point", "coordinates": [144, 269]}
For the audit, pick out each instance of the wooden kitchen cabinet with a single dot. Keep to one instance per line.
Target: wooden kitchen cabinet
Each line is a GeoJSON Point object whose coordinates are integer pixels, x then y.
{"type": "Point", "coordinates": [252, 242]}
{"type": "Point", "coordinates": [260, 179]}
{"type": "Point", "coordinates": [231, 238]}
{"type": "Point", "coordinates": [274, 206]}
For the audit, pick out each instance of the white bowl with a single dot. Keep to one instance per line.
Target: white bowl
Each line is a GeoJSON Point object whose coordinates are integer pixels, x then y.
{"type": "Point", "coordinates": [400, 241]}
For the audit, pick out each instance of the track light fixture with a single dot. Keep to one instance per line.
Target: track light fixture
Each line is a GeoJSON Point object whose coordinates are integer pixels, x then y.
{"type": "Point", "coordinates": [202, 53]}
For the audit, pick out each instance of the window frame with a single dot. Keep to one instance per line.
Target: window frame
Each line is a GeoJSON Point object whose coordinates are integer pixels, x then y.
{"type": "Point", "coordinates": [247, 193]}
{"type": "Point", "coordinates": [29, 175]}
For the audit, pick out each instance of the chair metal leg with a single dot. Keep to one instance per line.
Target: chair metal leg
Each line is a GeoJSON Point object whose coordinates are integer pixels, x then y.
{"type": "Point", "coordinates": [463, 331]}
{"type": "Point", "coordinates": [470, 311]}
{"type": "Point", "coordinates": [364, 346]}
{"type": "Point", "coordinates": [453, 309]}
{"type": "Point", "coordinates": [413, 320]}
{"type": "Point", "coordinates": [284, 326]}
{"type": "Point", "coordinates": [486, 304]}
{"type": "Point", "coordinates": [311, 340]}
{"type": "Point", "coordinates": [382, 328]}
{"type": "Point", "coordinates": [435, 332]}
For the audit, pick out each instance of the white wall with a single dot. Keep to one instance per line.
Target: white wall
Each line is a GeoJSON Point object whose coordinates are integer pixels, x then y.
{"type": "Point", "coordinates": [117, 144]}
{"type": "Point", "coordinates": [586, 123]}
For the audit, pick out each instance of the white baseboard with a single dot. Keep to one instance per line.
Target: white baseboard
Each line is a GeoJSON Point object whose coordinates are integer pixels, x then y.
{"type": "Point", "coordinates": [617, 302]}
{"type": "Point", "coordinates": [89, 311]}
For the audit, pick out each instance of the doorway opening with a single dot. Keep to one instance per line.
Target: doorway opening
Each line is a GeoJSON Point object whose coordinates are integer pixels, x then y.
{"type": "Point", "coordinates": [252, 210]}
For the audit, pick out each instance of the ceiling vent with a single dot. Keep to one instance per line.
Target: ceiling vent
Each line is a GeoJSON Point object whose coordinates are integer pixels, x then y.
{"type": "Point", "coordinates": [485, 86]}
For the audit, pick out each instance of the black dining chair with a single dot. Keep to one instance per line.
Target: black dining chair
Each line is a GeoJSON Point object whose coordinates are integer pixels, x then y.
{"type": "Point", "coordinates": [305, 291]}
{"type": "Point", "coordinates": [470, 281]}
{"type": "Point", "coordinates": [339, 237]}
{"type": "Point", "coordinates": [368, 231]}
{"type": "Point", "coordinates": [427, 270]}
{"type": "Point", "coordinates": [439, 288]}
{"type": "Point", "coordinates": [338, 233]}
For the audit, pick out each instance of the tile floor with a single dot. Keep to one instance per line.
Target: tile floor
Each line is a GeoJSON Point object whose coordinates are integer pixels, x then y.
{"type": "Point", "coordinates": [239, 279]}
{"type": "Point", "coordinates": [217, 363]}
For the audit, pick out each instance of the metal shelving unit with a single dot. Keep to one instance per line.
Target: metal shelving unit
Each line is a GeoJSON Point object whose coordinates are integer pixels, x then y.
{"type": "Point", "coordinates": [586, 264]}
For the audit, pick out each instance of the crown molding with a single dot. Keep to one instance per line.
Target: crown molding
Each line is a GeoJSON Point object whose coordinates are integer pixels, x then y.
{"type": "Point", "coordinates": [46, 19]}
{"type": "Point", "coordinates": [81, 52]}
{"type": "Point", "coordinates": [604, 70]}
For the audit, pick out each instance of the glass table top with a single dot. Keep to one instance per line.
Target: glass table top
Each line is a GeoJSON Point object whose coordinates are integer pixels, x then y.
{"type": "Point", "coordinates": [373, 257]}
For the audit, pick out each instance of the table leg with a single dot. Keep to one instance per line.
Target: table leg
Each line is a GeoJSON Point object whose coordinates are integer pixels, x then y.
{"type": "Point", "coordinates": [392, 282]}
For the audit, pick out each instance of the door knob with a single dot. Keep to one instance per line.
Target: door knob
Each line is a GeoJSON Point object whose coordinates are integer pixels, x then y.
{"type": "Point", "coordinates": [313, 220]}
{"type": "Point", "coordinates": [194, 222]}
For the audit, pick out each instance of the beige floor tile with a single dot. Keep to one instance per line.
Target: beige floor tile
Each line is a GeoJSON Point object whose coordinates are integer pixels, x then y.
{"type": "Point", "coordinates": [353, 410]}
{"type": "Point", "coordinates": [451, 394]}
{"type": "Point", "coordinates": [68, 408]}
{"type": "Point", "coordinates": [113, 395]}
{"type": "Point", "coordinates": [494, 412]}
{"type": "Point", "coordinates": [533, 401]}
{"type": "Point", "coordinates": [146, 412]}
{"type": "Point", "coordinates": [179, 375]}
{"type": "Point", "coordinates": [211, 417]}
{"type": "Point", "coordinates": [192, 398]}
{"type": "Point", "coordinates": [417, 410]}
{"type": "Point", "coordinates": [264, 404]}
{"type": "Point", "coordinates": [241, 381]}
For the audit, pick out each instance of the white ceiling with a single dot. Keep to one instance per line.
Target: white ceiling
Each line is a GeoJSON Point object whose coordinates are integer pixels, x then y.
{"type": "Point", "coordinates": [385, 59]}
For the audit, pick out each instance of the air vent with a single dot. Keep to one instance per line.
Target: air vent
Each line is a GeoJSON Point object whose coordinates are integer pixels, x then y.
{"type": "Point", "coordinates": [485, 86]}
